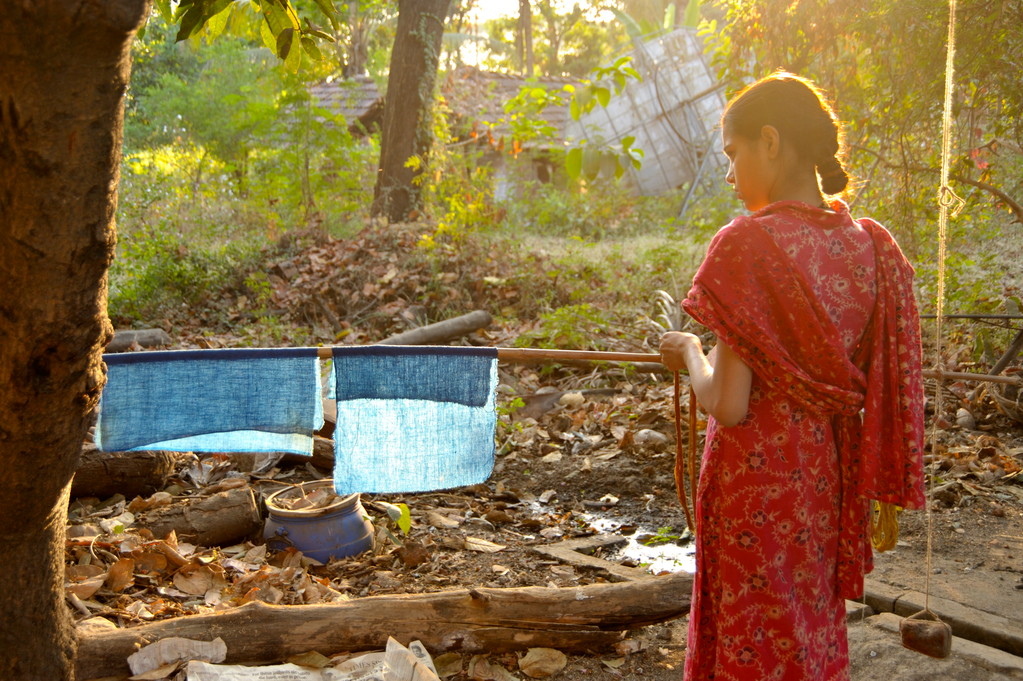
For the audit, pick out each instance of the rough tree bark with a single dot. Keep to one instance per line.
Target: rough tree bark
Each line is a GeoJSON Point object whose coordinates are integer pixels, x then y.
{"type": "Point", "coordinates": [407, 107]}
{"type": "Point", "coordinates": [64, 68]}
{"type": "Point", "coordinates": [103, 474]}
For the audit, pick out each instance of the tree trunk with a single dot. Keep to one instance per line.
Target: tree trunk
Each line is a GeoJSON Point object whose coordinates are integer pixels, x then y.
{"type": "Point", "coordinates": [574, 619]}
{"type": "Point", "coordinates": [408, 106]}
{"type": "Point", "coordinates": [526, 30]}
{"type": "Point", "coordinates": [64, 67]}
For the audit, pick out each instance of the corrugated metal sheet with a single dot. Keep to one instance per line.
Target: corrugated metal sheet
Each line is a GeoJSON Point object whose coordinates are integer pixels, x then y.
{"type": "Point", "coordinates": [673, 114]}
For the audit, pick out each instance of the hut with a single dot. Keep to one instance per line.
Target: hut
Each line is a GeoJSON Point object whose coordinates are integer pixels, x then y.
{"type": "Point", "coordinates": [357, 99]}
{"type": "Point", "coordinates": [476, 99]}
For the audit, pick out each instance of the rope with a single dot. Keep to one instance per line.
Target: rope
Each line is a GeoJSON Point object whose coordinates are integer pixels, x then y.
{"type": "Point", "coordinates": [948, 202]}
{"type": "Point", "coordinates": [692, 446]}
{"type": "Point", "coordinates": [680, 474]}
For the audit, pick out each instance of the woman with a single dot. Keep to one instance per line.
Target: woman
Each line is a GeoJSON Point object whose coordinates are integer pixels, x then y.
{"type": "Point", "coordinates": [814, 394]}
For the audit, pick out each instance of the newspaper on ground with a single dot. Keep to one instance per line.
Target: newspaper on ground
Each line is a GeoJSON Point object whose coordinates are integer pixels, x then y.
{"type": "Point", "coordinates": [174, 649]}
{"type": "Point", "coordinates": [396, 663]}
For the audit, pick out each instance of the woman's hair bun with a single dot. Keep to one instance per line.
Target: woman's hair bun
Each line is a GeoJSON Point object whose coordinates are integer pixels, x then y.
{"type": "Point", "coordinates": [834, 179]}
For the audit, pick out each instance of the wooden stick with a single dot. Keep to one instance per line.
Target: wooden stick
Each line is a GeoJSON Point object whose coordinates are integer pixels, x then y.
{"type": "Point", "coordinates": [973, 316]}
{"type": "Point", "coordinates": [532, 354]}
{"type": "Point", "coordinates": [966, 376]}
{"type": "Point", "coordinates": [538, 354]}
{"type": "Point", "coordinates": [544, 354]}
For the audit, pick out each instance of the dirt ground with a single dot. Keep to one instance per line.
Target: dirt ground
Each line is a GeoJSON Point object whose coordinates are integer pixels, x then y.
{"type": "Point", "coordinates": [577, 462]}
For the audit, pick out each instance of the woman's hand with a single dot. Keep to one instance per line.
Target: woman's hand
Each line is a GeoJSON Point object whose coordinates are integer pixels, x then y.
{"type": "Point", "coordinates": [722, 381]}
{"type": "Point", "coordinates": [674, 347]}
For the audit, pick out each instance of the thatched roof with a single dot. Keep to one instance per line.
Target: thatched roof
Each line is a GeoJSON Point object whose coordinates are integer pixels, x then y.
{"type": "Point", "coordinates": [476, 98]}
{"type": "Point", "coordinates": [358, 100]}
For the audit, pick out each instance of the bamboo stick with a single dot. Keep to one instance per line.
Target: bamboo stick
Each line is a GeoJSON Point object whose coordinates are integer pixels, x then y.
{"type": "Point", "coordinates": [966, 376]}
{"type": "Point", "coordinates": [532, 354]}
{"type": "Point", "coordinates": [544, 354]}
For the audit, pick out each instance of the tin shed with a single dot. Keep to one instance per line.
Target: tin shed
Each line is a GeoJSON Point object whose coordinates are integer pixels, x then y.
{"type": "Point", "coordinates": [673, 113]}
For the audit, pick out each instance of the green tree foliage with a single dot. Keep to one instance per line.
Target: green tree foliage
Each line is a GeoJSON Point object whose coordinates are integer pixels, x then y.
{"type": "Point", "coordinates": [310, 169]}
{"type": "Point", "coordinates": [220, 103]}
{"type": "Point", "coordinates": [364, 36]}
{"type": "Point", "coordinates": [885, 63]}
{"type": "Point", "coordinates": [283, 29]}
{"type": "Point", "coordinates": [570, 42]}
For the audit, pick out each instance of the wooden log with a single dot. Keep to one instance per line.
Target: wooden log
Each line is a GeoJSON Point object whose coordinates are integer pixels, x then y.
{"type": "Point", "coordinates": [442, 332]}
{"type": "Point", "coordinates": [322, 458]}
{"type": "Point", "coordinates": [220, 519]}
{"type": "Point", "coordinates": [483, 620]}
{"type": "Point", "coordinates": [147, 338]}
{"type": "Point", "coordinates": [102, 474]}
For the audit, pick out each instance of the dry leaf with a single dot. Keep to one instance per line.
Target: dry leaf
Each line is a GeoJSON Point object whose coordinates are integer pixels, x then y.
{"type": "Point", "coordinates": [448, 664]}
{"type": "Point", "coordinates": [310, 659]}
{"type": "Point", "coordinates": [149, 561]}
{"type": "Point", "coordinates": [482, 545]}
{"type": "Point", "coordinates": [140, 610]}
{"type": "Point", "coordinates": [121, 575]}
{"type": "Point", "coordinates": [197, 580]}
{"type": "Point", "coordinates": [482, 669]}
{"type": "Point", "coordinates": [78, 573]}
{"type": "Point", "coordinates": [542, 662]}
{"type": "Point", "coordinates": [442, 521]}
{"type": "Point", "coordinates": [86, 588]}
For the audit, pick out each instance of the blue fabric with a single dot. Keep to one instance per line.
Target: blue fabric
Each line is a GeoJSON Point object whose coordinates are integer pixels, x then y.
{"type": "Point", "coordinates": [413, 419]}
{"type": "Point", "coordinates": [258, 400]}
{"type": "Point", "coordinates": [415, 372]}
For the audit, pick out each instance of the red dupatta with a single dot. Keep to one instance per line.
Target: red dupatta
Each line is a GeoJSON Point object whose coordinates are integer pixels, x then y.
{"type": "Point", "coordinates": [750, 294]}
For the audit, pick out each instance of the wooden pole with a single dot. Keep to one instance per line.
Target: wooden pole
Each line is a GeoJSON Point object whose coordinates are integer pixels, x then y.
{"type": "Point", "coordinates": [966, 376]}
{"type": "Point", "coordinates": [534, 354]}
{"type": "Point", "coordinates": [544, 354]}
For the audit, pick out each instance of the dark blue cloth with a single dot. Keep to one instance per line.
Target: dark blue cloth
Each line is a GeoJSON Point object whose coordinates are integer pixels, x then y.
{"type": "Point", "coordinates": [249, 400]}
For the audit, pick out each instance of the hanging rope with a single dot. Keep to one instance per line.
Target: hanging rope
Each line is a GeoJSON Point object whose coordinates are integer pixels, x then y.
{"type": "Point", "coordinates": [680, 458]}
{"type": "Point", "coordinates": [924, 631]}
{"type": "Point", "coordinates": [948, 203]}
{"type": "Point", "coordinates": [692, 447]}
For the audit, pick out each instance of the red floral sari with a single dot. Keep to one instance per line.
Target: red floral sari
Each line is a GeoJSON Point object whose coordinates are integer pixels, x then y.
{"type": "Point", "coordinates": [821, 307]}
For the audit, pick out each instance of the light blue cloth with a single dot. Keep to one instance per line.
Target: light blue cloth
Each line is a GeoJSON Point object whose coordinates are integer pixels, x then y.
{"type": "Point", "coordinates": [413, 419]}
{"type": "Point", "coordinates": [250, 400]}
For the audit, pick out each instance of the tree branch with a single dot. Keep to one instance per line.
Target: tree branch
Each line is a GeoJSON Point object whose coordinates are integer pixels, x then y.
{"type": "Point", "coordinates": [1014, 206]}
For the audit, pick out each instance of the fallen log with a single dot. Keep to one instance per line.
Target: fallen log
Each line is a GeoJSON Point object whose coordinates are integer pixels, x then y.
{"type": "Point", "coordinates": [102, 474]}
{"type": "Point", "coordinates": [483, 620]}
{"type": "Point", "coordinates": [218, 520]}
{"type": "Point", "coordinates": [146, 338]}
{"type": "Point", "coordinates": [322, 458]}
{"type": "Point", "coordinates": [442, 332]}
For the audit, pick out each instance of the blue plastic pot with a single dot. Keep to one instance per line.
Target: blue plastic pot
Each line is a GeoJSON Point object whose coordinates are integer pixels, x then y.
{"type": "Point", "coordinates": [338, 530]}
